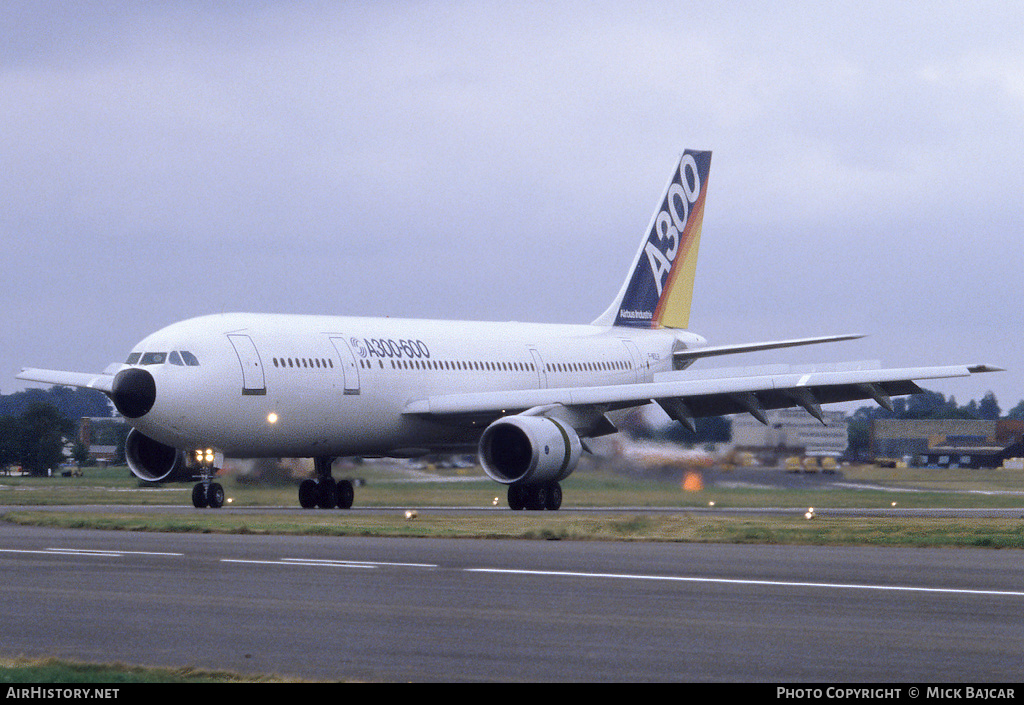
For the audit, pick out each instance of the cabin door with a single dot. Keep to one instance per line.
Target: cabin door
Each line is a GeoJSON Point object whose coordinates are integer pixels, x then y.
{"type": "Point", "coordinates": [254, 382]}
{"type": "Point", "coordinates": [348, 364]}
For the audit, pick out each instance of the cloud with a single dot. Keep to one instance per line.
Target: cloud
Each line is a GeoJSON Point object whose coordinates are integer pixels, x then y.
{"type": "Point", "coordinates": [494, 160]}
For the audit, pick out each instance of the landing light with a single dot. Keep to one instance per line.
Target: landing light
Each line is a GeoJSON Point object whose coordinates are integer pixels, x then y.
{"type": "Point", "coordinates": [204, 455]}
{"type": "Point", "coordinates": [272, 417]}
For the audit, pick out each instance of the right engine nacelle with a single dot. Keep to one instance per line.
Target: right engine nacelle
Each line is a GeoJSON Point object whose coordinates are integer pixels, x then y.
{"type": "Point", "coordinates": [529, 449]}
{"type": "Point", "coordinates": [152, 461]}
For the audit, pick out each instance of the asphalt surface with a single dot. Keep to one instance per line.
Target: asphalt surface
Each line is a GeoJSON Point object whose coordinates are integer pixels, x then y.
{"type": "Point", "coordinates": [465, 610]}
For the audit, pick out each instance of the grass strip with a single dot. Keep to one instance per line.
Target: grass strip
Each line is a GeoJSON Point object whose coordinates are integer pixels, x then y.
{"type": "Point", "coordinates": [681, 527]}
{"type": "Point", "coordinates": [59, 671]}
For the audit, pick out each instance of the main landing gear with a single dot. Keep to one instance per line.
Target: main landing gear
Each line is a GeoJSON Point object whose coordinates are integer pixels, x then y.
{"type": "Point", "coordinates": [546, 495]}
{"type": "Point", "coordinates": [325, 492]}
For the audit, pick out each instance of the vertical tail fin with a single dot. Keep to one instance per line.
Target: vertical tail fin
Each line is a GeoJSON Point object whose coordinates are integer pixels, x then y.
{"type": "Point", "coordinates": [658, 291]}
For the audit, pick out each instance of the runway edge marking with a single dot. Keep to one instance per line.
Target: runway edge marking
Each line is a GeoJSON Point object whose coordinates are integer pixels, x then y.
{"type": "Point", "coordinates": [745, 581]}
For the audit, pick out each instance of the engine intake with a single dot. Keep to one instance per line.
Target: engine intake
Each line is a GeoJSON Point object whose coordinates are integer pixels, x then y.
{"type": "Point", "coordinates": [529, 449]}
{"type": "Point", "coordinates": [151, 460]}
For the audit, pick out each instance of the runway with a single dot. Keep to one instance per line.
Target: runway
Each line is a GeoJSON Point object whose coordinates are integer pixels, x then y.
{"type": "Point", "coordinates": [466, 610]}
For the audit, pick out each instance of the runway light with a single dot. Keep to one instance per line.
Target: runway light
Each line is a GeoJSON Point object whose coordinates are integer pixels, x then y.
{"type": "Point", "coordinates": [272, 417]}
{"type": "Point", "coordinates": [809, 515]}
{"type": "Point", "coordinates": [894, 504]}
{"type": "Point", "coordinates": [411, 514]}
{"type": "Point", "coordinates": [494, 502]}
{"type": "Point", "coordinates": [711, 504]}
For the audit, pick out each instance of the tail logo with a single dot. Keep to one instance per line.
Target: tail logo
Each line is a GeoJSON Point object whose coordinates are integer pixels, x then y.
{"type": "Point", "coordinates": [671, 221]}
{"type": "Point", "coordinates": [661, 286]}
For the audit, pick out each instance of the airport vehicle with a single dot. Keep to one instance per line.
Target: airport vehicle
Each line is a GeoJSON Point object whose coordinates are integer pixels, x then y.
{"type": "Point", "coordinates": [527, 396]}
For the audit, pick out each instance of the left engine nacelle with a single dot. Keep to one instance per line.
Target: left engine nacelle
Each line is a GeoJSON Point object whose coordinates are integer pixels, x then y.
{"type": "Point", "coordinates": [152, 461]}
{"type": "Point", "coordinates": [529, 449]}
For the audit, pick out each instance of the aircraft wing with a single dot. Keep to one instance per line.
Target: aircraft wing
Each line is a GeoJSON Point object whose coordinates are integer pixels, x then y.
{"type": "Point", "coordinates": [103, 382]}
{"type": "Point", "coordinates": [685, 398]}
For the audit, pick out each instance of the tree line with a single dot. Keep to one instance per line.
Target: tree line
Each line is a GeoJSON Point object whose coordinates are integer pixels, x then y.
{"type": "Point", "coordinates": [37, 424]}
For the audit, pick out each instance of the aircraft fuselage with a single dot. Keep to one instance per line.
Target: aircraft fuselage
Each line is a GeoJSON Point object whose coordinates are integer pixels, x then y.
{"type": "Point", "coordinates": [273, 385]}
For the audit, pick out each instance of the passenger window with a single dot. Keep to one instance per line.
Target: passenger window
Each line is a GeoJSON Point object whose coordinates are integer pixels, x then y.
{"type": "Point", "coordinates": [155, 358]}
{"type": "Point", "coordinates": [175, 359]}
{"type": "Point", "coordinates": [133, 359]}
{"type": "Point", "coordinates": [189, 359]}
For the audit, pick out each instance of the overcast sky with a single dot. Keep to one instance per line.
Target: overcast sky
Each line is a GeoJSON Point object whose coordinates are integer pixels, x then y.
{"type": "Point", "coordinates": [500, 161]}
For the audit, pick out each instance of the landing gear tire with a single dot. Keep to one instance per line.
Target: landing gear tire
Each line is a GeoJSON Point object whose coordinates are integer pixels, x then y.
{"type": "Point", "coordinates": [517, 496]}
{"type": "Point", "coordinates": [553, 501]}
{"type": "Point", "coordinates": [345, 494]}
{"type": "Point", "coordinates": [307, 494]}
{"type": "Point", "coordinates": [326, 493]}
{"type": "Point", "coordinates": [199, 500]}
{"type": "Point", "coordinates": [537, 498]}
{"type": "Point", "coordinates": [215, 495]}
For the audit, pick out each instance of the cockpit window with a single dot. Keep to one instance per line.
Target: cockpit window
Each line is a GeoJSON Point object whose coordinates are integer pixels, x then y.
{"type": "Point", "coordinates": [154, 358]}
{"type": "Point", "coordinates": [133, 359]}
{"type": "Point", "coordinates": [189, 359]}
{"type": "Point", "coordinates": [174, 358]}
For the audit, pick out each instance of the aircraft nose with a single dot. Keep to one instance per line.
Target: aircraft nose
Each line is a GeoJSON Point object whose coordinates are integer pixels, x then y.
{"type": "Point", "coordinates": [133, 392]}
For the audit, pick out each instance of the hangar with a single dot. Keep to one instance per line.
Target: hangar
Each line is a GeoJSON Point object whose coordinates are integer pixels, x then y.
{"type": "Point", "coordinates": [791, 432]}
{"type": "Point", "coordinates": [967, 443]}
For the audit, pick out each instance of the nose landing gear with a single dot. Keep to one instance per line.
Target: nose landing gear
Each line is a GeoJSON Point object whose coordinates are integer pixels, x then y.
{"type": "Point", "coordinates": [206, 492]}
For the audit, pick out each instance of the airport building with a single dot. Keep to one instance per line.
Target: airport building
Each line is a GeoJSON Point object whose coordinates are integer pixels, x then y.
{"type": "Point", "coordinates": [967, 443]}
{"type": "Point", "coordinates": [101, 436]}
{"type": "Point", "coordinates": [791, 432]}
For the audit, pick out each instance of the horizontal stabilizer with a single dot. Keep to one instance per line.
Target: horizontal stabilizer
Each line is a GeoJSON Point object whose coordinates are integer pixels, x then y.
{"type": "Point", "coordinates": [695, 353]}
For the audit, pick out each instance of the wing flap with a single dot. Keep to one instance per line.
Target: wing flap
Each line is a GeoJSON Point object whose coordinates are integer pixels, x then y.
{"type": "Point", "coordinates": [787, 398]}
{"type": "Point", "coordinates": [693, 398]}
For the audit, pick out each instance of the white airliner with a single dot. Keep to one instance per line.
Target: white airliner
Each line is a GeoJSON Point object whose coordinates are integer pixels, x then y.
{"type": "Point", "coordinates": [526, 395]}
